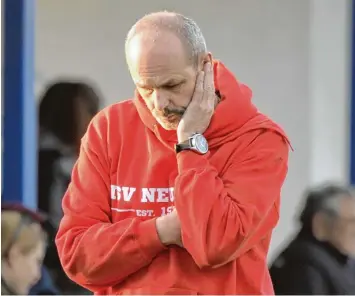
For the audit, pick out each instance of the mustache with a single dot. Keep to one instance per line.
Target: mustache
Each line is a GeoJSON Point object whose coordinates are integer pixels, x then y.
{"type": "Point", "coordinates": [166, 112]}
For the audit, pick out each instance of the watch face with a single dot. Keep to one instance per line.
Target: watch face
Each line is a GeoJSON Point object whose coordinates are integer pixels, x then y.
{"type": "Point", "coordinates": [201, 144]}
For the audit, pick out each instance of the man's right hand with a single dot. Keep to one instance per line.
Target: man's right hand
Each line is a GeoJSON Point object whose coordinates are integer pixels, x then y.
{"type": "Point", "coordinates": [169, 229]}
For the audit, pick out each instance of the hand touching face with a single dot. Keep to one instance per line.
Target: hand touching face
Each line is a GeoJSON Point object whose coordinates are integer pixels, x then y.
{"type": "Point", "coordinates": [198, 114]}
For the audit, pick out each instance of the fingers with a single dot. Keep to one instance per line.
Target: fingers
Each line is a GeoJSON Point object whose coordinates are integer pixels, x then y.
{"type": "Point", "coordinates": [199, 86]}
{"type": "Point", "coordinates": [209, 81]}
{"type": "Point", "coordinates": [204, 93]}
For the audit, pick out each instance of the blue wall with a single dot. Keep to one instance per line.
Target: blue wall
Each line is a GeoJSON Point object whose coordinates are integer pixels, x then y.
{"type": "Point", "coordinates": [352, 117]}
{"type": "Point", "coordinates": [20, 127]}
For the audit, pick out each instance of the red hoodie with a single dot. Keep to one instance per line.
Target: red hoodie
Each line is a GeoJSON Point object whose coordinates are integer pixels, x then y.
{"type": "Point", "coordinates": [227, 200]}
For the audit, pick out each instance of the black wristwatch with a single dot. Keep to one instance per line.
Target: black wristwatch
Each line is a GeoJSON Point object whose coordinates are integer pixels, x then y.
{"type": "Point", "coordinates": [196, 142]}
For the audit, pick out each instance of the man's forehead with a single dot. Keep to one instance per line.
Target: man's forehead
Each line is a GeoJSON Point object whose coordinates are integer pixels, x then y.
{"type": "Point", "coordinates": [154, 43]}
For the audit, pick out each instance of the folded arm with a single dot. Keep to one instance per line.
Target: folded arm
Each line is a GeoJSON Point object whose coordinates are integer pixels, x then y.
{"type": "Point", "coordinates": [223, 216]}
{"type": "Point", "coordinates": [95, 252]}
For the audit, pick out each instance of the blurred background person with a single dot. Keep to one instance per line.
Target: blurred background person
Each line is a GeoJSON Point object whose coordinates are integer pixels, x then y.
{"type": "Point", "coordinates": [321, 258]}
{"type": "Point", "coordinates": [23, 247]}
{"type": "Point", "coordinates": [65, 111]}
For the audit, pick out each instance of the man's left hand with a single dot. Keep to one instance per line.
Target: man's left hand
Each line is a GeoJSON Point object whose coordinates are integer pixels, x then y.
{"type": "Point", "coordinates": [198, 114]}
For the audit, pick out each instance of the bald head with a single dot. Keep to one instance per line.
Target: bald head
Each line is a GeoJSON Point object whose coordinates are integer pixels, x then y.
{"type": "Point", "coordinates": [165, 52]}
{"type": "Point", "coordinates": [152, 26]}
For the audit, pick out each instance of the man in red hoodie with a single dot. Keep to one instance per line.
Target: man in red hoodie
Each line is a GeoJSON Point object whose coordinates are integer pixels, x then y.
{"type": "Point", "coordinates": [178, 190]}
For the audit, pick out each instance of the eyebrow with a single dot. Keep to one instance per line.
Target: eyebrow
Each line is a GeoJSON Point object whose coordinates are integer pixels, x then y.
{"type": "Point", "coordinates": [172, 81]}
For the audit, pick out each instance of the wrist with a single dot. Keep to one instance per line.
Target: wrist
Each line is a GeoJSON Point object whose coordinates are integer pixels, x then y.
{"type": "Point", "coordinates": [196, 142]}
{"type": "Point", "coordinates": [163, 230]}
{"type": "Point", "coordinates": [183, 137]}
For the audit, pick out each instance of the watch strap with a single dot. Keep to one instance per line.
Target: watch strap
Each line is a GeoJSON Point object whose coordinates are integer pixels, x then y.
{"type": "Point", "coordinates": [182, 146]}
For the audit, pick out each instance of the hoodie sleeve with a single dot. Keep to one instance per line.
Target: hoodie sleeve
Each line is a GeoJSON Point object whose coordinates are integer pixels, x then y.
{"type": "Point", "coordinates": [223, 216]}
{"type": "Point", "coordinates": [95, 252]}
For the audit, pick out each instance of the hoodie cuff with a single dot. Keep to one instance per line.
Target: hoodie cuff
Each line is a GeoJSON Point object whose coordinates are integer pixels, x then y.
{"type": "Point", "coordinates": [191, 160]}
{"type": "Point", "coordinates": [148, 239]}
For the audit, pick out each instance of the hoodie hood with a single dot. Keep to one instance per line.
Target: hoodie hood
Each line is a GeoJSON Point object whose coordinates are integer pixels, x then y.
{"type": "Point", "coordinates": [234, 115]}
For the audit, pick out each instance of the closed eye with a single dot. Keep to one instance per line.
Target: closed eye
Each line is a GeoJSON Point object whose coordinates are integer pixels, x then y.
{"type": "Point", "coordinates": [172, 86]}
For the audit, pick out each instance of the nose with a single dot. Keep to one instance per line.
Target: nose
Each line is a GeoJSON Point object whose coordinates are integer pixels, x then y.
{"type": "Point", "coordinates": [160, 100]}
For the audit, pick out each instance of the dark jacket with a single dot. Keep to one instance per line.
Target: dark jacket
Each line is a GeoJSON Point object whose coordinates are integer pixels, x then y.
{"type": "Point", "coordinates": [45, 286]}
{"type": "Point", "coordinates": [55, 164]}
{"type": "Point", "coordinates": [308, 266]}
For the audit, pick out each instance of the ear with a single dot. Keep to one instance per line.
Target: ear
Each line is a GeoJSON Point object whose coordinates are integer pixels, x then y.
{"type": "Point", "coordinates": [206, 58]}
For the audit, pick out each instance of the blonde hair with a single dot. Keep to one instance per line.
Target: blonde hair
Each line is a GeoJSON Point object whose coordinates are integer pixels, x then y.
{"type": "Point", "coordinates": [15, 230]}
